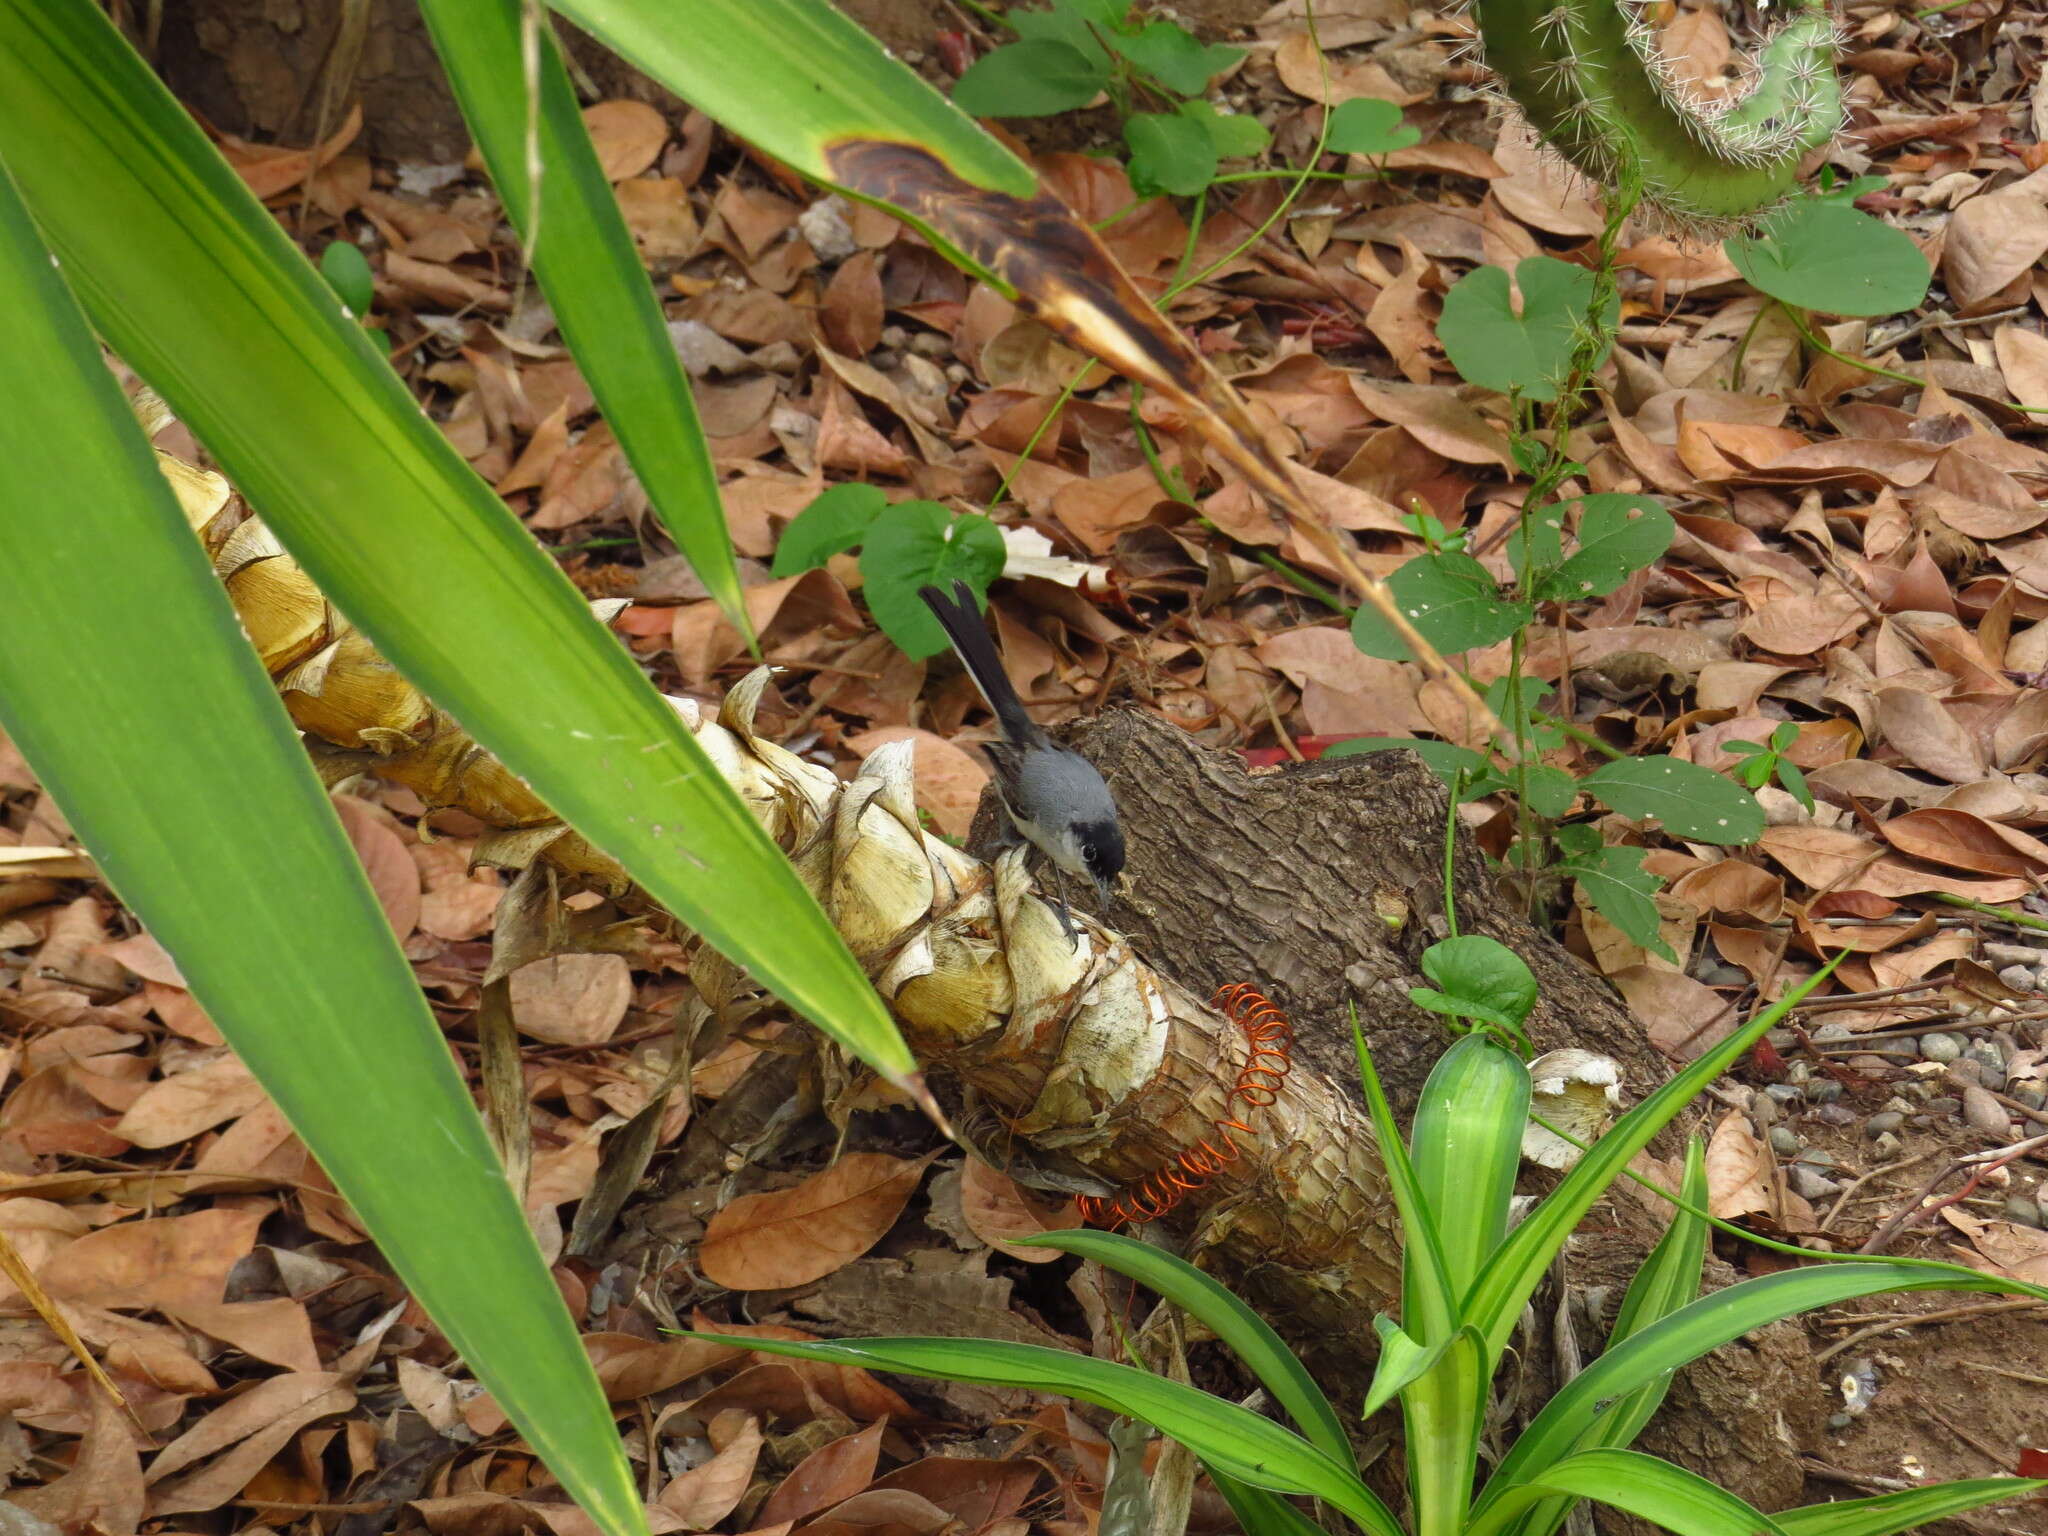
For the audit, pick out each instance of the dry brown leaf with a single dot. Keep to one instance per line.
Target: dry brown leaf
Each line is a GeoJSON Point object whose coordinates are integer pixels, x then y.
{"type": "Point", "coordinates": [1681, 1016]}
{"type": "Point", "coordinates": [1344, 692]}
{"type": "Point", "coordinates": [793, 1236]}
{"type": "Point", "coordinates": [996, 1208]}
{"type": "Point", "coordinates": [1897, 967]}
{"type": "Point", "coordinates": [241, 1437]}
{"type": "Point", "coordinates": [1732, 886]}
{"type": "Point", "coordinates": [1438, 419]}
{"type": "Point", "coordinates": [1539, 188]}
{"type": "Point", "coordinates": [1822, 857]}
{"type": "Point", "coordinates": [2023, 357]}
{"type": "Point", "coordinates": [1995, 238]}
{"type": "Point", "coordinates": [1802, 624]}
{"type": "Point", "coordinates": [658, 213]}
{"type": "Point", "coordinates": [393, 875]}
{"type": "Point", "coordinates": [1738, 1170]}
{"type": "Point", "coordinates": [628, 136]}
{"type": "Point", "coordinates": [160, 1261]}
{"type": "Point", "coordinates": [1306, 72]}
{"type": "Point", "coordinates": [2003, 1247]}
{"type": "Point", "coordinates": [706, 1494]}
{"type": "Point", "coordinates": [1927, 734]}
{"type": "Point", "coordinates": [829, 1474]}
{"type": "Point", "coordinates": [186, 1103]}
{"type": "Point", "coordinates": [572, 999]}
{"type": "Point", "coordinates": [1963, 841]}
{"type": "Point", "coordinates": [975, 1492]}
{"type": "Point", "coordinates": [102, 1492]}
{"type": "Point", "coordinates": [269, 169]}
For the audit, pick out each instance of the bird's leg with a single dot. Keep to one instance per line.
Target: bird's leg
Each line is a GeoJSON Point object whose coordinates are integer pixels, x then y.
{"type": "Point", "coordinates": [1059, 885]}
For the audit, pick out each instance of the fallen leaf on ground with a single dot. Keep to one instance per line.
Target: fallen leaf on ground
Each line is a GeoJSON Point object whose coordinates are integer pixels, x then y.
{"type": "Point", "coordinates": [796, 1235]}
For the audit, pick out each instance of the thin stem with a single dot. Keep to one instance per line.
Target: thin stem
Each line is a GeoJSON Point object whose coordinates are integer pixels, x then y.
{"type": "Point", "coordinates": [1582, 736]}
{"type": "Point", "coordinates": [1273, 173]}
{"type": "Point", "coordinates": [1037, 432]}
{"type": "Point", "coordinates": [2004, 914]}
{"type": "Point", "coordinates": [1309, 586]}
{"type": "Point", "coordinates": [1451, 852]}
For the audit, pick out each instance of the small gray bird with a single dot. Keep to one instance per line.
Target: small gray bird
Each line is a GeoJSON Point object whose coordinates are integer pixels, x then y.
{"type": "Point", "coordinates": [1053, 794]}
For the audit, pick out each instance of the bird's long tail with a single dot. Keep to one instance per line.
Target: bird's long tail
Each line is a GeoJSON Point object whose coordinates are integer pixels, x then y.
{"type": "Point", "coordinates": [960, 617]}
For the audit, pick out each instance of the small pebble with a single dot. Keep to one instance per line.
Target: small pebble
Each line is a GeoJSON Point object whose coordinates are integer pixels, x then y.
{"type": "Point", "coordinates": [1878, 1124]}
{"type": "Point", "coordinates": [1984, 1113]}
{"type": "Point", "coordinates": [1764, 1111]}
{"type": "Point", "coordinates": [1824, 1090]}
{"type": "Point", "coordinates": [1810, 1184]}
{"type": "Point", "coordinates": [1785, 1093]}
{"type": "Point", "coordinates": [2030, 1094]}
{"type": "Point", "coordinates": [1838, 1420]}
{"type": "Point", "coordinates": [1868, 1066]}
{"type": "Point", "coordinates": [1940, 1047]}
{"type": "Point", "coordinates": [1715, 974]}
{"type": "Point", "coordinates": [1967, 1070]}
{"type": "Point", "coordinates": [1887, 1147]}
{"type": "Point", "coordinates": [1799, 1073]}
{"type": "Point", "coordinates": [1819, 1157]}
{"type": "Point", "coordinates": [1990, 1064]}
{"type": "Point", "coordinates": [1783, 1039]}
{"type": "Point", "coordinates": [2022, 1210]}
{"type": "Point", "coordinates": [1784, 1142]}
{"type": "Point", "coordinates": [1831, 1032]}
{"type": "Point", "coordinates": [1944, 1105]}
{"type": "Point", "coordinates": [1903, 1106]}
{"type": "Point", "coordinates": [2020, 978]}
{"type": "Point", "coordinates": [1835, 1114]}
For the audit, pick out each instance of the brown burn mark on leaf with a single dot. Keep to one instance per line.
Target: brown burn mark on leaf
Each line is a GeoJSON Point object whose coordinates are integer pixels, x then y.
{"type": "Point", "coordinates": [1064, 277]}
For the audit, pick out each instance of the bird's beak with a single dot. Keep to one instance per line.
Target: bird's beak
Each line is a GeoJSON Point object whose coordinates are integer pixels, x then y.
{"type": "Point", "coordinates": [1106, 889]}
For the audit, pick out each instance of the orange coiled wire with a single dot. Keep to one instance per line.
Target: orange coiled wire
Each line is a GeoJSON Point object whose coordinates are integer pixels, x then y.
{"type": "Point", "coordinates": [1258, 1084]}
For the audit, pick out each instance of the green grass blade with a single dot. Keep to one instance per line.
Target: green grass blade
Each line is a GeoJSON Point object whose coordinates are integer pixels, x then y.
{"type": "Point", "coordinates": [1668, 1280]}
{"type": "Point", "coordinates": [1245, 1446]}
{"type": "Point", "coordinates": [584, 257]}
{"type": "Point", "coordinates": [186, 275]}
{"type": "Point", "coordinates": [126, 681]}
{"type": "Point", "coordinates": [1692, 1331]}
{"type": "Point", "coordinates": [1429, 1300]}
{"type": "Point", "coordinates": [1652, 1490]}
{"type": "Point", "coordinates": [1496, 1298]}
{"type": "Point", "coordinates": [846, 87]}
{"type": "Point", "coordinates": [1263, 1513]}
{"type": "Point", "coordinates": [1467, 1141]}
{"type": "Point", "coordinates": [1890, 1512]}
{"type": "Point", "coordinates": [1236, 1324]}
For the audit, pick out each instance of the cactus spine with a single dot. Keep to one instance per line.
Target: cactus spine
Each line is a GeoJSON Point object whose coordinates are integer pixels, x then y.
{"type": "Point", "coordinates": [1589, 76]}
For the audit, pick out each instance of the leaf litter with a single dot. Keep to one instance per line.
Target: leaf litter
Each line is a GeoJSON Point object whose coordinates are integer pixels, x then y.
{"type": "Point", "coordinates": [1855, 555]}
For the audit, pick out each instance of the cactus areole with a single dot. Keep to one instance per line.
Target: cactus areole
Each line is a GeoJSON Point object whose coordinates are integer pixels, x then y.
{"type": "Point", "coordinates": [1592, 81]}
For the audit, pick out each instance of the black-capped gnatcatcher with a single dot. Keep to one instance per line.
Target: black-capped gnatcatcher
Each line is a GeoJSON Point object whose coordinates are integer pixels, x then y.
{"type": "Point", "coordinates": [1053, 794]}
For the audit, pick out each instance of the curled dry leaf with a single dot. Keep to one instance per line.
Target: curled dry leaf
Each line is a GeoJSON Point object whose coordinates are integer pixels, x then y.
{"type": "Point", "coordinates": [1682, 1016]}
{"type": "Point", "coordinates": [797, 1235]}
{"type": "Point", "coordinates": [1743, 1181]}
{"type": "Point", "coordinates": [572, 999]}
{"type": "Point", "coordinates": [996, 1207]}
{"type": "Point", "coordinates": [2003, 1247]}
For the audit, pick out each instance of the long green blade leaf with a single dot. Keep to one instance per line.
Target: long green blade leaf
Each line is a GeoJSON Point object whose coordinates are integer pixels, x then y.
{"type": "Point", "coordinates": [196, 286]}
{"type": "Point", "coordinates": [1252, 1449]}
{"type": "Point", "coordinates": [126, 681]}
{"type": "Point", "coordinates": [1695, 1330]}
{"type": "Point", "coordinates": [584, 257]}
{"type": "Point", "coordinates": [1425, 1284]}
{"type": "Point", "coordinates": [1236, 1324]}
{"type": "Point", "coordinates": [1668, 1280]}
{"type": "Point", "coordinates": [1467, 1141]}
{"type": "Point", "coordinates": [1263, 1513]}
{"type": "Point", "coordinates": [848, 88]}
{"type": "Point", "coordinates": [1518, 1265]}
{"type": "Point", "coordinates": [1889, 1512]}
{"type": "Point", "coordinates": [1654, 1490]}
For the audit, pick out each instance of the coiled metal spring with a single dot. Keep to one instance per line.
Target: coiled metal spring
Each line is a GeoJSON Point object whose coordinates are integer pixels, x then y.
{"type": "Point", "coordinates": [1271, 1039]}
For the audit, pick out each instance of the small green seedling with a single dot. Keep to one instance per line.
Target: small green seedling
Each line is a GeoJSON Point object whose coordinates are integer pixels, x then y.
{"type": "Point", "coordinates": [903, 547]}
{"type": "Point", "coordinates": [1482, 981]}
{"type": "Point", "coordinates": [1760, 762]}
